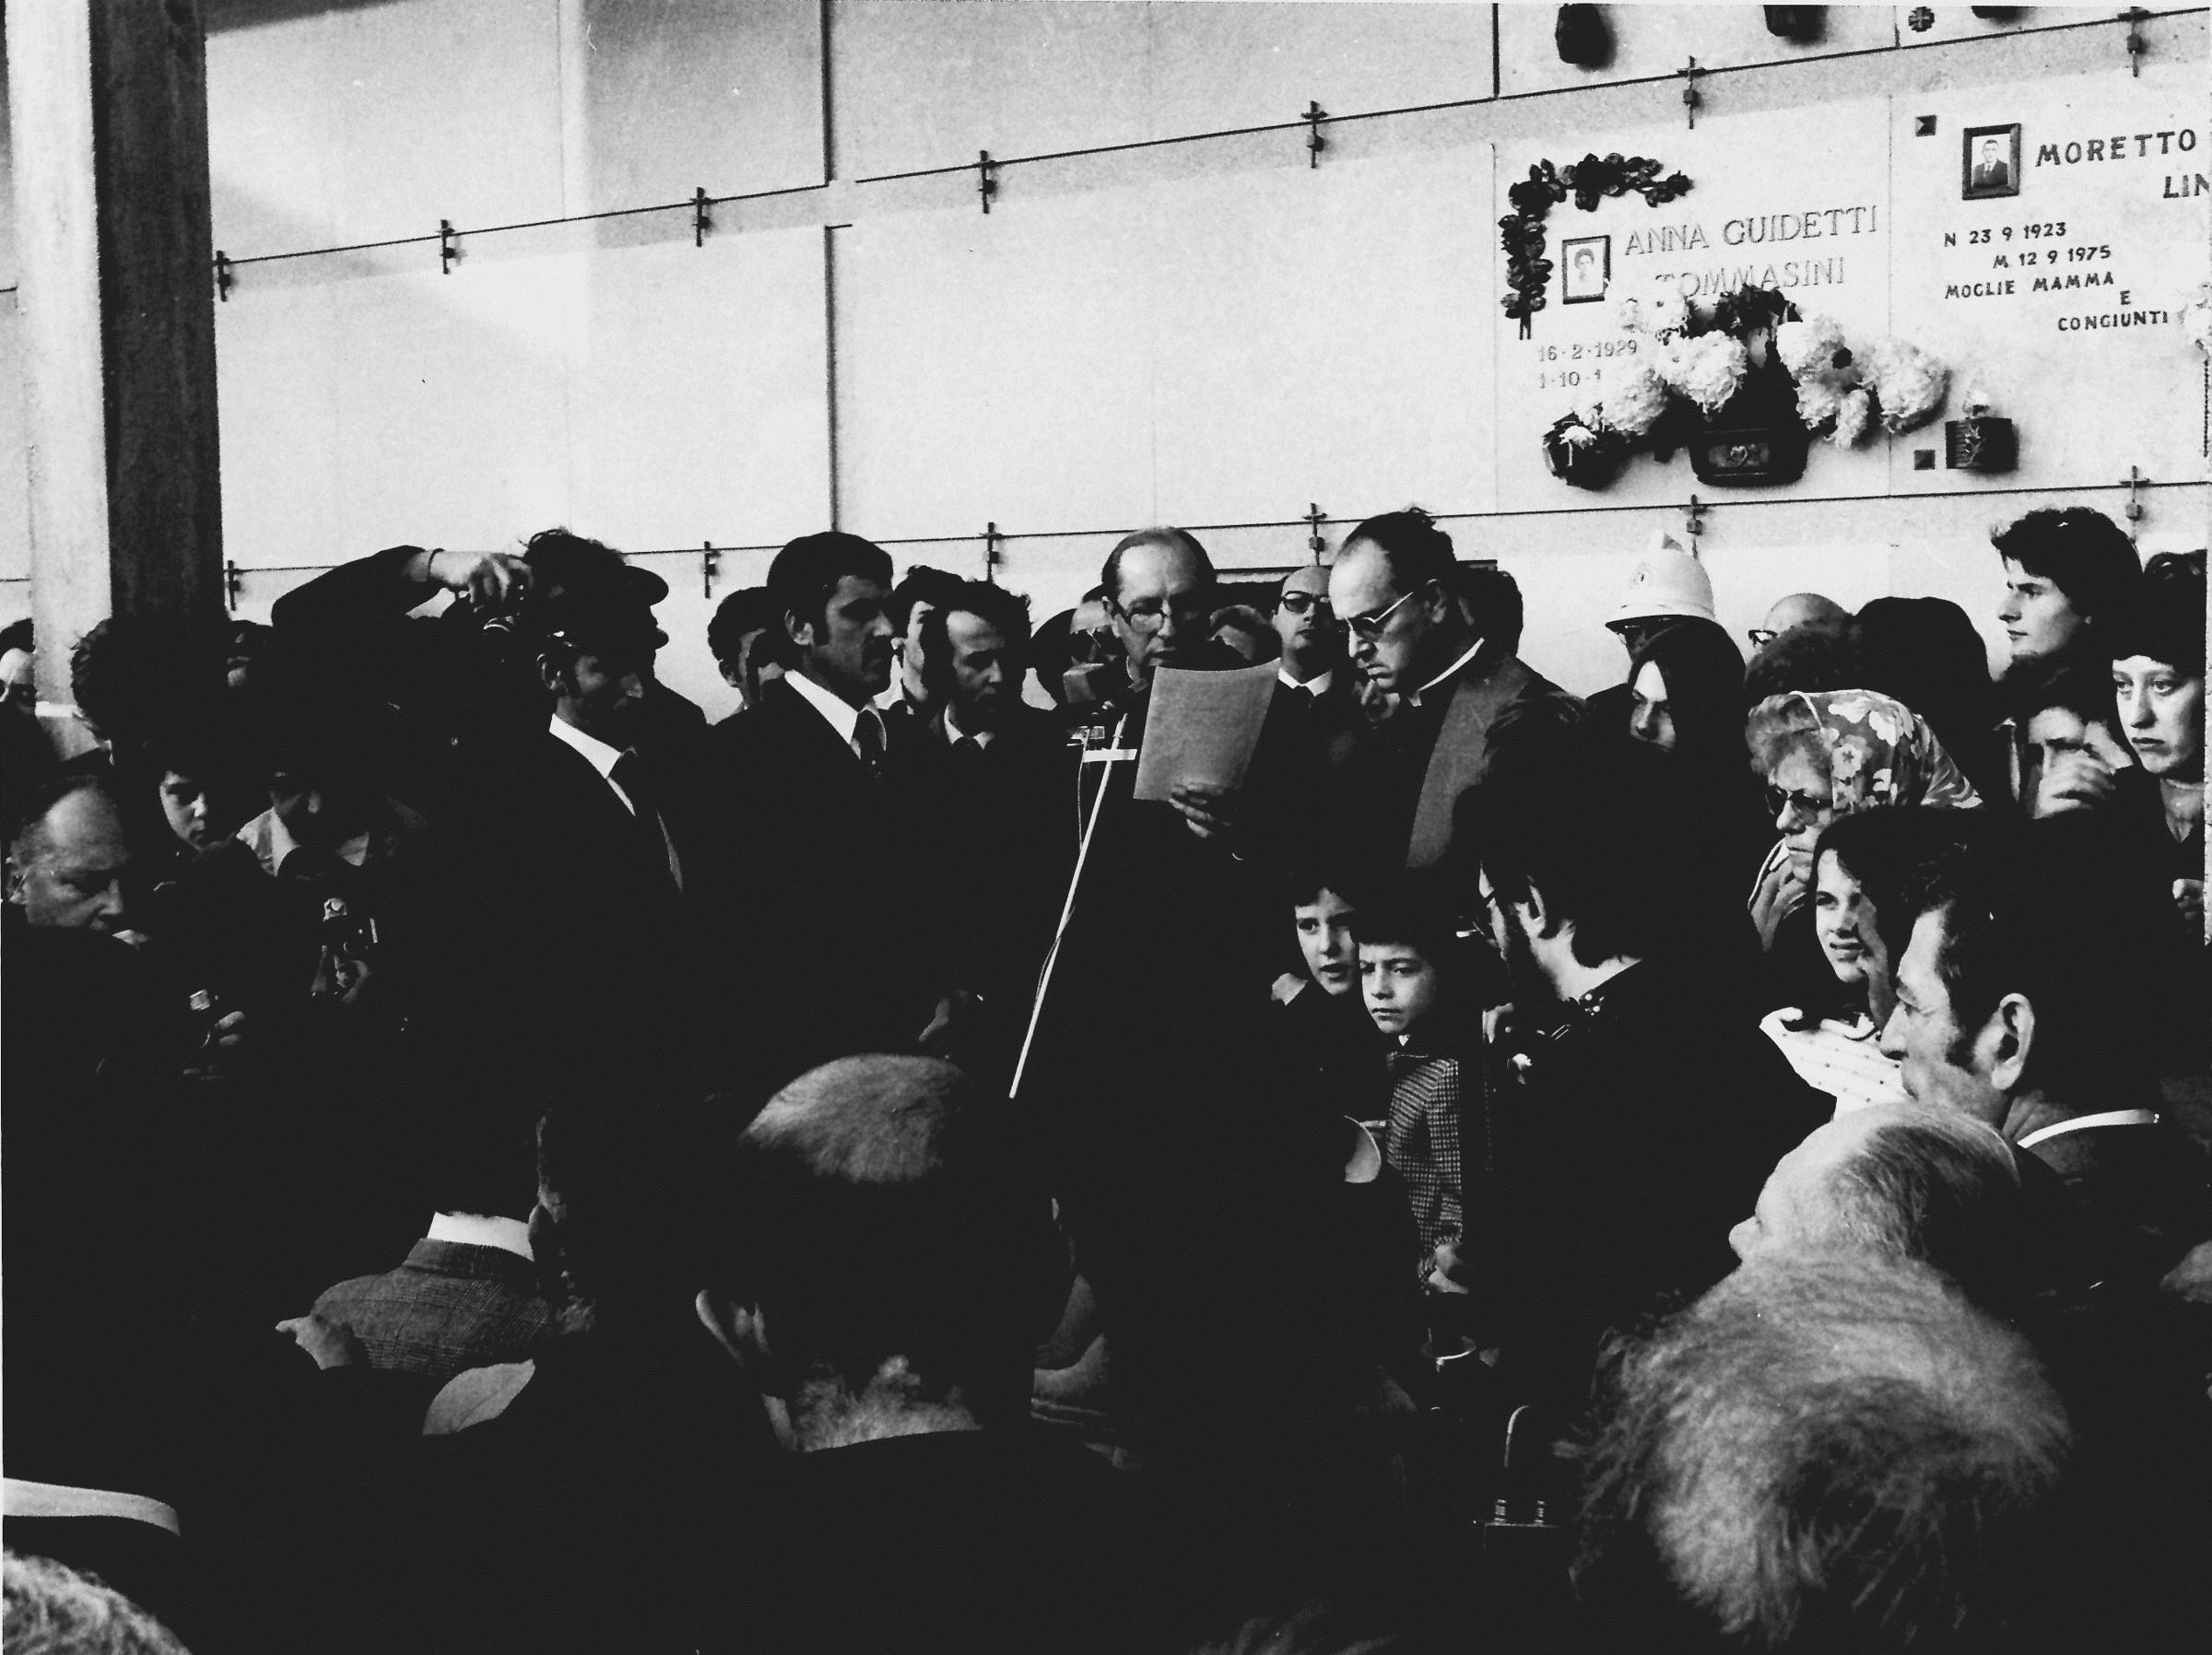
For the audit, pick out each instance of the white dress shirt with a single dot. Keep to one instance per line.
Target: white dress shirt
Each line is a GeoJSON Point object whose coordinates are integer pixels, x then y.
{"type": "Point", "coordinates": [842, 716]}
{"type": "Point", "coordinates": [1316, 686]}
{"type": "Point", "coordinates": [472, 1230]}
{"type": "Point", "coordinates": [2082, 1123]}
{"type": "Point", "coordinates": [954, 736]}
{"type": "Point", "coordinates": [602, 758]}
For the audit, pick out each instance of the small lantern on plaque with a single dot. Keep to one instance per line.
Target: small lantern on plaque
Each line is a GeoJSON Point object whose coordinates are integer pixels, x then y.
{"type": "Point", "coordinates": [1979, 441]}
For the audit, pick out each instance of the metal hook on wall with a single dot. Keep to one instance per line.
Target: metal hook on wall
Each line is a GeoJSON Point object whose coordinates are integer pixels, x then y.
{"type": "Point", "coordinates": [449, 246]}
{"type": "Point", "coordinates": [2134, 509]}
{"type": "Point", "coordinates": [710, 565]}
{"type": "Point", "coordinates": [223, 278]}
{"type": "Point", "coordinates": [1693, 522]}
{"type": "Point", "coordinates": [2134, 16]}
{"type": "Point", "coordinates": [1315, 142]}
{"type": "Point", "coordinates": [1691, 95]}
{"type": "Point", "coordinates": [1315, 517]}
{"type": "Point", "coordinates": [991, 553]}
{"type": "Point", "coordinates": [701, 221]}
{"type": "Point", "coordinates": [234, 580]}
{"type": "Point", "coordinates": [986, 180]}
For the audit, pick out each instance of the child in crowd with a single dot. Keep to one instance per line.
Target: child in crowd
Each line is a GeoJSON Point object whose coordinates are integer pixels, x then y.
{"type": "Point", "coordinates": [1409, 979]}
{"type": "Point", "coordinates": [1322, 1016]}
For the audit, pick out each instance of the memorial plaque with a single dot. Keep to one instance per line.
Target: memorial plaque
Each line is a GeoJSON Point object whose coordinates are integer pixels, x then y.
{"type": "Point", "coordinates": [2048, 234]}
{"type": "Point", "coordinates": [1773, 202]}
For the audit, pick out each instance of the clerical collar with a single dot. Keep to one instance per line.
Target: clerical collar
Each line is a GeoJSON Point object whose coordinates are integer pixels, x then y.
{"type": "Point", "coordinates": [473, 1229]}
{"type": "Point", "coordinates": [1471, 650]}
{"type": "Point", "coordinates": [1317, 686]}
{"type": "Point", "coordinates": [842, 716]}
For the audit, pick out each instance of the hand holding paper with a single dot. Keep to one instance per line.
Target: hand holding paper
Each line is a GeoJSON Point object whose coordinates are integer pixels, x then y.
{"type": "Point", "coordinates": [1200, 734]}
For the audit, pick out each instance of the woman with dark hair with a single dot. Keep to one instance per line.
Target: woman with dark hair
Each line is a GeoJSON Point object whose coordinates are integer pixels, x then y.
{"type": "Point", "coordinates": [1925, 653]}
{"type": "Point", "coordinates": [1861, 865]}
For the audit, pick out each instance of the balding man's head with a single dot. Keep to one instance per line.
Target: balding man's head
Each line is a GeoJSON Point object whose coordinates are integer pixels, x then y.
{"type": "Point", "coordinates": [1158, 584]}
{"type": "Point", "coordinates": [70, 858]}
{"type": "Point", "coordinates": [881, 1210]}
{"type": "Point", "coordinates": [1901, 1181]}
{"type": "Point", "coordinates": [1798, 608]}
{"type": "Point", "coordinates": [1824, 1453]}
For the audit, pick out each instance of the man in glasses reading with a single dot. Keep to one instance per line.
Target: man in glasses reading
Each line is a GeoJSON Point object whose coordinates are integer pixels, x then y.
{"type": "Point", "coordinates": [1442, 639]}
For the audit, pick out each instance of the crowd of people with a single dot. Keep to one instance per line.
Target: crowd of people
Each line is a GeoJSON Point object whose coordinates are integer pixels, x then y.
{"type": "Point", "coordinates": [496, 1162]}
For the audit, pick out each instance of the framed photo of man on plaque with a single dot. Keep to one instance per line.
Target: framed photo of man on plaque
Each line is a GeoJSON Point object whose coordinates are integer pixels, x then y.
{"type": "Point", "coordinates": [1992, 163]}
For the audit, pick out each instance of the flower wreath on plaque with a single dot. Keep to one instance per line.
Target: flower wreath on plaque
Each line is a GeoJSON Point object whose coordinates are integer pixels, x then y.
{"type": "Point", "coordinates": [1589, 181]}
{"type": "Point", "coordinates": [1743, 385]}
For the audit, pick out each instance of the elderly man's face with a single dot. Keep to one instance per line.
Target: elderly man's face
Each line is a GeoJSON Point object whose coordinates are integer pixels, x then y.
{"type": "Point", "coordinates": [1794, 1208]}
{"type": "Point", "coordinates": [1940, 1062]}
{"type": "Point", "coordinates": [72, 877]}
{"type": "Point", "coordinates": [1163, 608]}
{"type": "Point", "coordinates": [1394, 636]}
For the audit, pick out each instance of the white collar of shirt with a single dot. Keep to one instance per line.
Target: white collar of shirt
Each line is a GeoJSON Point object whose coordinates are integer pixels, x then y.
{"type": "Point", "coordinates": [2082, 1123]}
{"type": "Point", "coordinates": [268, 835]}
{"type": "Point", "coordinates": [1316, 685]}
{"type": "Point", "coordinates": [470, 1229]}
{"type": "Point", "coordinates": [1447, 672]}
{"type": "Point", "coordinates": [842, 716]}
{"type": "Point", "coordinates": [954, 736]}
{"type": "Point", "coordinates": [601, 756]}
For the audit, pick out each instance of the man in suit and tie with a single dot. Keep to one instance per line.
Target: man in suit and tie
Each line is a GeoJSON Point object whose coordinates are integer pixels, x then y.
{"type": "Point", "coordinates": [587, 862]}
{"type": "Point", "coordinates": [1993, 169]}
{"type": "Point", "coordinates": [815, 787]}
{"type": "Point", "coordinates": [1443, 639]}
{"type": "Point", "coordinates": [1000, 795]}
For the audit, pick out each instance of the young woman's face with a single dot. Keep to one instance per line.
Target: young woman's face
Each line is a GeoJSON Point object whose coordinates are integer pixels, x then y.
{"type": "Point", "coordinates": [1649, 716]}
{"type": "Point", "coordinates": [1325, 938]}
{"type": "Point", "coordinates": [2162, 714]}
{"type": "Point", "coordinates": [1843, 919]}
{"type": "Point", "coordinates": [1398, 984]}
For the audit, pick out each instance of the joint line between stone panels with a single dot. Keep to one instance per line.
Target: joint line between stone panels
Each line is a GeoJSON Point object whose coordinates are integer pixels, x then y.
{"type": "Point", "coordinates": [459, 231]}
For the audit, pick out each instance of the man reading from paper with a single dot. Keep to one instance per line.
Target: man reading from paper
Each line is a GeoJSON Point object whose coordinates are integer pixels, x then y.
{"type": "Point", "coordinates": [1187, 1178]}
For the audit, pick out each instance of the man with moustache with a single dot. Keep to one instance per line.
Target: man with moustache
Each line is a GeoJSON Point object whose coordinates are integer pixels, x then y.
{"type": "Point", "coordinates": [811, 786]}
{"type": "Point", "coordinates": [1650, 1109]}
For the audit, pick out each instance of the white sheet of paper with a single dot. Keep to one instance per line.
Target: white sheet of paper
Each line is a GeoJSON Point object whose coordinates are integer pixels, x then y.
{"type": "Point", "coordinates": [1203, 727]}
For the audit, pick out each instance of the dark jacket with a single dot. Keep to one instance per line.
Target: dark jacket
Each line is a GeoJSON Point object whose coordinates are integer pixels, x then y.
{"type": "Point", "coordinates": [839, 948]}
{"type": "Point", "coordinates": [580, 934]}
{"type": "Point", "coordinates": [1648, 1124]}
{"type": "Point", "coordinates": [1395, 786]}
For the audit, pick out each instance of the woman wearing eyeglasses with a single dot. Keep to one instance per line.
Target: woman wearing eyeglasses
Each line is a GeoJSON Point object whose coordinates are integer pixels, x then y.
{"type": "Point", "coordinates": [1827, 754]}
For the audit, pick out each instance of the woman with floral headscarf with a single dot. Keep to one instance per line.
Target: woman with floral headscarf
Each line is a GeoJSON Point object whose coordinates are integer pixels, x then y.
{"type": "Point", "coordinates": [1834, 753]}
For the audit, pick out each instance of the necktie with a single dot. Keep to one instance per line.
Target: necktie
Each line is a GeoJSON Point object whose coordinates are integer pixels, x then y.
{"type": "Point", "coordinates": [629, 774]}
{"type": "Point", "coordinates": [867, 735]}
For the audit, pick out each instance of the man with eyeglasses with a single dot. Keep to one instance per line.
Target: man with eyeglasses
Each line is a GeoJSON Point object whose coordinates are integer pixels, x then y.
{"type": "Point", "coordinates": [1796, 610]}
{"type": "Point", "coordinates": [1421, 630]}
